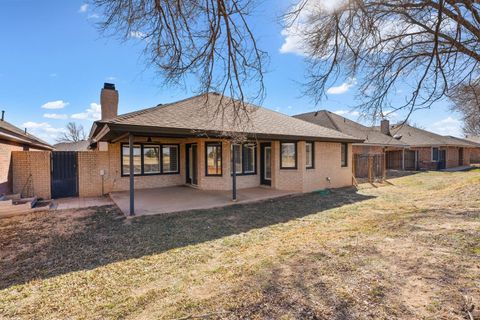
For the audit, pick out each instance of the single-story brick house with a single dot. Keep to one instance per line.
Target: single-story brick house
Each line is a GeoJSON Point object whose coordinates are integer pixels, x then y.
{"type": "Point", "coordinates": [429, 150]}
{"type": "Point", "coordinates": [371, 152]}
{"type": "Point", "coordinates": [189, 142]}
{"type": "Point", "coordinates": [14, 139]}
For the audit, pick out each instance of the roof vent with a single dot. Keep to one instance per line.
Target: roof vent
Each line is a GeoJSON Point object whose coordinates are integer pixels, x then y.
{"type": "Point", "coordinates": [109, 86]}
{"type": "Point", "coordinates": [3, 115]}
{"type": "Point", "coordinates": [397, 136]}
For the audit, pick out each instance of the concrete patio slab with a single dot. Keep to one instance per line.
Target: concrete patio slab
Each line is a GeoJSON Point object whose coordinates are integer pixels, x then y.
{"type": "Point", "coordinates": [78, 203]}
{"type": "Point", "coordinates": [183, 198]}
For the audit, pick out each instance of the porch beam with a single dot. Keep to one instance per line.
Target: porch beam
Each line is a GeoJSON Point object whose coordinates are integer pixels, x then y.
{"type": "Point", "coordinates": [131, 174]}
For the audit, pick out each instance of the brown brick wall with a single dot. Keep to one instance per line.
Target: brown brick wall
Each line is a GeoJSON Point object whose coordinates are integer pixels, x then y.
{"type": "Point", "coordinates": [35, 164]}
{"type": "Point", "coordinates": [90, 181]}
{"type": "Point", "coordinates": [328, 165]}
{"type": "Point", "coordinates": [6, 149]}
{"type": "Point", "coordinates": [475, 155]}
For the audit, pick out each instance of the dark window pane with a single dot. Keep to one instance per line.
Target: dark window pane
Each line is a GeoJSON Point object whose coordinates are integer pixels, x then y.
{"type": "Point", "coordinates": [214, 159]}
{"type": "Point", "coordinates": [151, 159]}
{"type": "Point", "coordinates": [237, 149]}
{"type": "Point", "coordinates": [435, 154]}
{"type": "Point", "coordinates": [137, 159]}
{"type": "Point", "coordinates": [170, 158]}
{"type": "Point", "coordinates": [249, 158]}
{"type": "Point", "coordinates": [344, 155]}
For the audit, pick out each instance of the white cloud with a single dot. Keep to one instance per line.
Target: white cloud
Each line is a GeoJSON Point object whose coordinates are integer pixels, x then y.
{"type": "Point", "coordinates": [344, 87]}
{"type": "Point", "coordinates": [55, 116]}
{"type": "Point", "coordinates": [43, 130]}
{"type": "Point", "coordinates": [53, 75]}
{"type": "Point", "coordinates": [110, 78]}
{"type": "Point", "coordinates": [93, 16]}
{"type": "Point", "coordinates": [92, 113]}
{"type": "Point", "coordinates": [347, 113]}
{"type": "Point", "coordinates": [83, 8]}
{"type": "Point", "coordinates": [447, 127]}
{"type": "Point", "coordinates": [58, 104]}
{"type": "Point", "coordinates": [293, 42]}
{"type": "Point", "coordinates": [296, 29]}
{"type": "Point", "coordinates": [137, 34]}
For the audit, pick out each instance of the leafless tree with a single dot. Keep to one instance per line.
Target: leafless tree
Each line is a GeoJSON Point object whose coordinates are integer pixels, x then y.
{"type": "Point", "coordinates": [74, 133]}
{"type": "Point", "coordinates": [207, 39]}
{"type": "Point", "coordinates": [466, 101]}
{"type": "Point", "coordinates": [429, 47]}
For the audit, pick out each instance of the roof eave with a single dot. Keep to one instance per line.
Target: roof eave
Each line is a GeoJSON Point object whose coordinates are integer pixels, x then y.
{"type": "Point", "coordinates": [115, 129]}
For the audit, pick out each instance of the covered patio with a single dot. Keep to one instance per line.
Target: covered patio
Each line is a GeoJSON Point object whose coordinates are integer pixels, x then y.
{"type": "Point", "coordinates": [184, 198]}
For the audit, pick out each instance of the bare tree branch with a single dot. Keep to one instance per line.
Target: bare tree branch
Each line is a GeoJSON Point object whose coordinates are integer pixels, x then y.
{"type": "Point", "coordinates": [207, 39]}
{"type": "Point", "coordinates": [74, 133]}
{"type": "Point", "coordinates": [429, 47]}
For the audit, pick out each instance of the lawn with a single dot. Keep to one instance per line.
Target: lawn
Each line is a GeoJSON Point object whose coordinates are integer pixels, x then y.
{"type": "Point", "coordinates": [409, 250]}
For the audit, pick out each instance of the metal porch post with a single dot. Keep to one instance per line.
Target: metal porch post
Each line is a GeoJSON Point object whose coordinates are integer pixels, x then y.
{"type": "Point", "coordinates": [131, 173]}
{"type": "Point", "coordinates": [234, 175]}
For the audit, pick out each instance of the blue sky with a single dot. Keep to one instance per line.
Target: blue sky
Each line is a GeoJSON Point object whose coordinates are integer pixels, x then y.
{"type": "Point", "coordinates": [54, 62]}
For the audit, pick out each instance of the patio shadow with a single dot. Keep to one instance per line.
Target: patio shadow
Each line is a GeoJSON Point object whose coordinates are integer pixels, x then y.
{"type": "Point", "coordinates": [44, 245]}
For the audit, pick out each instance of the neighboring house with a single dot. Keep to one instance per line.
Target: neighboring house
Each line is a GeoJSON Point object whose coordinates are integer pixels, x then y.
{"type": "Point", "coordinates": [14, 139]}
{"type": "Point", "coordinates": [82, 145]}
{"type": "Point", "coordinates": [475, 152]}
{"type": "Point", "coordinates": [189, 142]}
{"type": "Point", "coordinates": [428, 150]}
{"type": "Point", "coordinates": [371, 152]}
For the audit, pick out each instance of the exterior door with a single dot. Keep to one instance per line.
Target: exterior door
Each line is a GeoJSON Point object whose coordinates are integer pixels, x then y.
{"type": "Point", "coordinates": [266, 164]}
{"type": "Point", "coordinates": [442, 159]}
{"type": "Point", "coordinates": [192, 164]}
{"type": "Point", "coordinates": [64, 174]}
{"type": "Point", "coordinates": [460, 156]}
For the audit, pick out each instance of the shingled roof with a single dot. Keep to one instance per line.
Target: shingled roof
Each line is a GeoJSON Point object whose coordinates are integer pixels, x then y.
{"type": "Point", "coordinates": [417, 137]}
{"type": "Point", "coordinates": [11, 133]}
{"type": "Point", "coordinates": [203, 114]}
{"type": "Point", "coordinates": [82, 145]}
{"type": "Point", "coordinates": [334, 121]}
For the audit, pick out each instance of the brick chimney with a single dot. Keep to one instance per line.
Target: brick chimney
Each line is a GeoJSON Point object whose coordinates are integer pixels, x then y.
{"type": "Point", "coordinates": [109, 101]}
{"type": "Point", "coordinates": [385, 127]}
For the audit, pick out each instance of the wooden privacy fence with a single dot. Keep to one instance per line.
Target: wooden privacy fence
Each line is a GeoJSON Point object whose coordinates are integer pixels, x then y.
{"type": "Point", "coordinates": [369, 166]}
{"type": "Point", "coordinates": [397, 160]}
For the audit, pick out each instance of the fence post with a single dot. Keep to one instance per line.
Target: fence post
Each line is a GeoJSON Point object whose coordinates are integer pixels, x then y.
{"type": "Point", "coordinates": [370, 168]}
{"type": "Point", "coordinates": [354, 168]}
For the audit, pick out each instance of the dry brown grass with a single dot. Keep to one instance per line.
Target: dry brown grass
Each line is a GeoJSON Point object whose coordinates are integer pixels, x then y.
{"type": "Point", "coordinates": [410, 250]}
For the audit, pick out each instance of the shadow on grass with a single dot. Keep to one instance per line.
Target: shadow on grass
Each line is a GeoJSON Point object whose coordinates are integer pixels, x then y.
{"type": "Point", "coordinates": [35, 247]}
